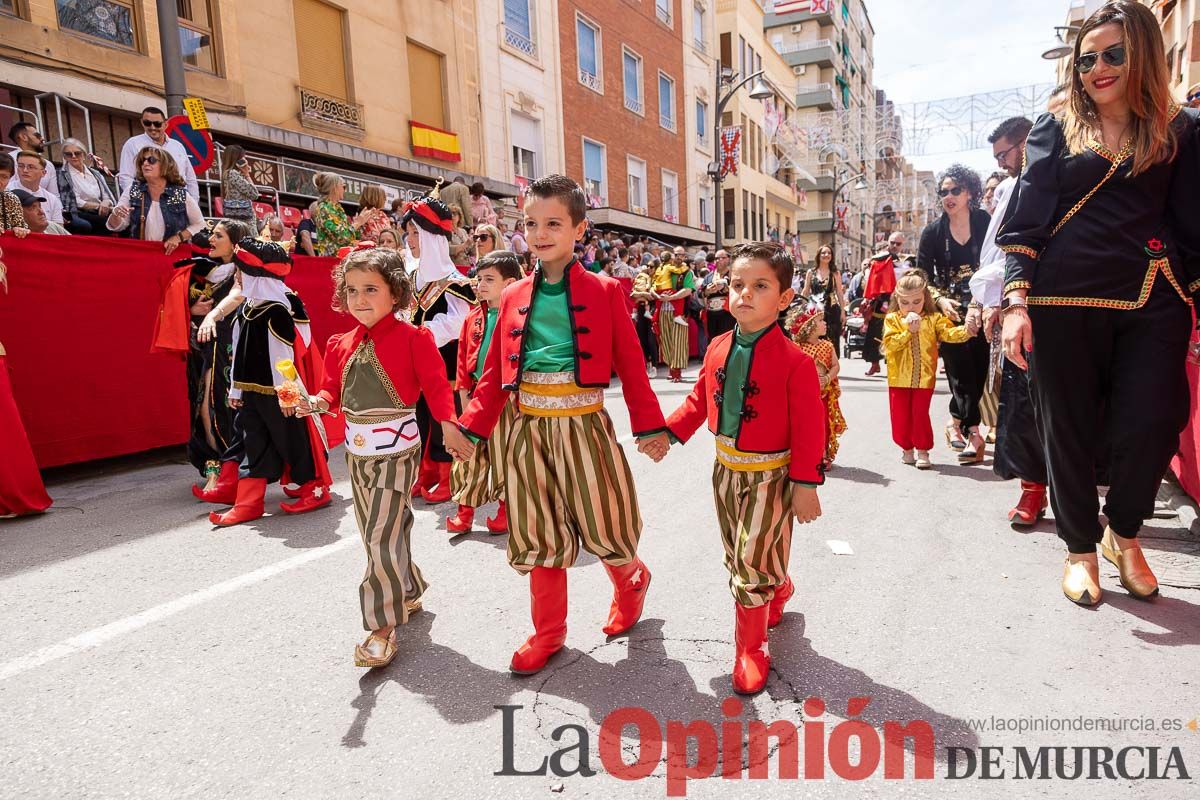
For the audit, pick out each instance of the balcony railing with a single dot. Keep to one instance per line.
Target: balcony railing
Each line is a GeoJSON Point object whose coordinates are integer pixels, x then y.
{"type": "Point", "coordinates": [667, 121]}
{"type": "Point", "coordinates": [797, 47]}
{"type": "Point", "coordinates": [589, 80]}
{"type": "Point", "coordinates": [634, 104]}
{"type": "Point", "coordinates": [330, 113]}
{"type": "Point", "coordinates": [519, 41]}
{"type": "Point", "coordinates": [663, 14]}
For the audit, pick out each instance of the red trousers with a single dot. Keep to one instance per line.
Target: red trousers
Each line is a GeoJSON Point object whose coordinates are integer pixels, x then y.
{"type": "Point", "coordinates": [911, 428]}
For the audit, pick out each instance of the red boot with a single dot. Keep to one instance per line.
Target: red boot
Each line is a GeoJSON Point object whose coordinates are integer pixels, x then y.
{"type": "Point", "coordinates": [548, 608]}
{"type": "Point", "coordinates": [752, 659]}
{"type": "Point", "coordinates": [461, 522]}
{"type": "Point", "coordinates": [782, 595]}
{"type": "Point", "coordinates": [873, 369]}
{"type": "Point", "coordinates": [629, 594]}
{"type": "Point", "coordinates": [312, 496]}
{"type": "Point", "coordinates": [1032, 505]}
{"type": "Point", "coordinates": [427, 477]}
{"type": "Point", "coordinates": [442, 493]}
{"type": "Point", "coordinates": [499, 523]}
{"type": "Point", "coordinates": [225, 491]}
{"type": "Point", "coordinates": [249, 505]}
{"type": "Point", "coordinates": [286, 480]}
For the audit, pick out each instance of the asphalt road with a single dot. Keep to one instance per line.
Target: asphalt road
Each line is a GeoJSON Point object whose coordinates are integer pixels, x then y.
{"type": "Point", "coordinates": [144, 654]}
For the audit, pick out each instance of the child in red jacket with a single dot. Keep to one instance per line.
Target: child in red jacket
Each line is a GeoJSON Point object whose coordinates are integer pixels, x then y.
{"type": "Point", "coordinates": [375, 373]}
{"type": "Point", "coordinates": [761, 396]}
{"type": "Point", "coordinates": [481, 479]}
{"type": "Point", "coordinates": [561, 333]}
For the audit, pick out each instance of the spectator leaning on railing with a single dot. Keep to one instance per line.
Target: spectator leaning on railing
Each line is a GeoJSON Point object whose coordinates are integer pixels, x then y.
{"type": "Point", "coordinates": [31, 172]}
{"type": "Point", "coordinates": [334, 229]}
{"type": "Point", "coordinates": [156, 207]}
{"type": "Point", "coordinates": [154, 124]}
{"type": "Point", "coordinates": [86, 199]}
{"type": "Point", "coordinates": [238, 191]}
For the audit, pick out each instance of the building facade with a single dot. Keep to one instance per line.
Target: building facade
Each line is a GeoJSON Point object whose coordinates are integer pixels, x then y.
{"type": "Point", "coordinates": [624, 125]}
{"type": "Point", "coordinates": [699, 102]}
{"type": "Point", "coordinates": [385, 93]}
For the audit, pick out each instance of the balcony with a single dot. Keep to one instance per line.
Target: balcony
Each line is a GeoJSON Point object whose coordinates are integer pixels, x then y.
{"type": "Point", "coordinates": [819, 96]}
{"type": "Point", "coordinates": [815, 222]}
{"type": "Point", "coordinates": [823, 183]}
{"type": "Point", "coordinates": [820, 52]}
{"type": "Point", "coordinates": [331, 114]}
{"type": "Point", "coordinates": [634, 104]}
{"type": "Point", "coordinates": [667, 121]}
{"type": "Point", "coordinates": [663, 12]}
{"type": "Point", "coordinates": [591, 81]}
{"type": "Point", "coordinates": [773, 20]}
{"type": "Point", "coordinates": [520, 42]}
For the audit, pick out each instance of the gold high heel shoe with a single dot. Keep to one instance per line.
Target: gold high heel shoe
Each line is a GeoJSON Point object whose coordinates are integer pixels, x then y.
{"type": "Point", "coordinates": [1081, 582]}
{"type": "Point", "coordinates": [376, 651]}
{"type": "Point", "coordinates": [413, 606]}
{"type": "Point", "coordinates": [1136, 576]}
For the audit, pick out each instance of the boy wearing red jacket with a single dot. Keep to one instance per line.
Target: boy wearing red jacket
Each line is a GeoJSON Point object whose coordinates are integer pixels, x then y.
{"type": "Point", "coordinates": [561, 333]}
{"type": "Point", "coordinates": [481, 479]}
{"type": "Point", "coordinates": [761, 396]}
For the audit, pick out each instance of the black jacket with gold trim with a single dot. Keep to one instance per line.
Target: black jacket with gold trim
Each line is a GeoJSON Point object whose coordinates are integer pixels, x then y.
{"type": "Point", "coordinates": [432, 309]}
{"type": "Point", "coordinates": [259, 325]}
{"type": "Point", "coordinates": [1081, 231]}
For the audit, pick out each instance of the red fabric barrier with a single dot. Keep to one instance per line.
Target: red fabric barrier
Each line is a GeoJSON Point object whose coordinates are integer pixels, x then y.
{"type": "Point", "coordinates": [1187, 463]}
{"type": "Point", "coordinates": [77, 322]}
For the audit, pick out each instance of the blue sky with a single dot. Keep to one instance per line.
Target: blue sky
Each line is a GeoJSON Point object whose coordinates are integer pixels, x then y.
{"type": "Point", "coordinates": [931, 49]}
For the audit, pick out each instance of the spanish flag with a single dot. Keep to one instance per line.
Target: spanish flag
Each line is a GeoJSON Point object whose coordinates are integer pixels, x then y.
{"type": "Point", "coordinates": [433, 142]}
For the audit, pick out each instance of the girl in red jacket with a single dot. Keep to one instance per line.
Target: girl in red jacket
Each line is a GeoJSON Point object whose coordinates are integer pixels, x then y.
{"type": "Point", "coordinates": [761, 396]}
{"type": "Point", "coordinates": [375, 373]}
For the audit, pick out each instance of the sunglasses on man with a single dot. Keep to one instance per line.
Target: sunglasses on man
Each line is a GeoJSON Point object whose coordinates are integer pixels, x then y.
{"type": "Point", "coordinates": [152, 123]}
{"type": "Point", "coordinates": [956, 191]}
{"type": "Point", "coordinates": [1113, 56]}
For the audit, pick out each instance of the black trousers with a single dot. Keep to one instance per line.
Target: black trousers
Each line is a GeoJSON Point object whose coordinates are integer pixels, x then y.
{"type": "Point", "coordinates": [645, 331]}
{"type": "Point", "coordinates": [273, 441]}
{"type": "Point", "coordinates": [720, 321]}
{"type": "Point", "coordinates": [833, 328]}
{"type": "Point", "coordinates": [1019, 452]}
{"type": "Point", "coordinates": [1116, 372]}
{"type": "Point", "coordinates": [431, 431]}
{"type": "Point", "coordinates": [874, 336]}
{"type": "Point", "coordinates": [86, 223]}
{"type": "Point", "coordinates": [966, 372]}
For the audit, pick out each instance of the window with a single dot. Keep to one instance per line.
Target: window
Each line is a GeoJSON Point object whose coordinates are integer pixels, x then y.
{"type": "Point", "coordinates": [637, 184]}
{"type": "Point", "coordinates": [196, 34]}
{"type": "Point", "coordinates": [698, 26]}
{"type": "Point", "coordinates": [741, 55]}
{"type": "Point", "coordinates": [662, 9]}
{"type": "Point", "coordinates": [321, 46]}
{"type": "Point", "coordinates": [9, 7]}
{"type": "Point", "coordinates": [518, 26]}
{"type": "Point", "coordinates": [670, 190]}
{"type": "Point", "coordinates": [110, 20]}
{"type": "Point", "coordinates": [595, 177]}
{"type": "Point", "coordinates": [704, 209]}
{"type": "Point", "coordinates": [526, 136]}
{"type": "Point", "coordinates": [666, 102]}
{"type": "Point", "coordinates": [587, 47]}
{"type": "Point", "coordinates": [633, 81]}
{"type": "Point", "coordinates": [426, 81]}
{"type": "Point", "coordinates": [701, 123]}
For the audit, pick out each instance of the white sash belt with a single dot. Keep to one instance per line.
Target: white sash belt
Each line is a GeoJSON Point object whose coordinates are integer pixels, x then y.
{"type": "Point", "coordinates": [382, 437]}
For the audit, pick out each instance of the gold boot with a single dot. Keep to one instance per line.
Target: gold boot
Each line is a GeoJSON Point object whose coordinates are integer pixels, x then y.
{"type": "Point", "coordinates": [1136, 576]}
{"type": "Point", "coordinates": [1081, 582]}
{"type": "Point", "coordinates": [376, 651]}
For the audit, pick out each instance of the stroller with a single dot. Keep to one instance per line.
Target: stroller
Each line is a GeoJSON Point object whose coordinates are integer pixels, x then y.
{"type": "Point", "coordinates": [854, 330]}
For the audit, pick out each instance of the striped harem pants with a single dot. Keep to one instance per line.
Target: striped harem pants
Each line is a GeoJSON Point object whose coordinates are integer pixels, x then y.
{"type": "Point", "coordinates": [672, 339]}
{"type": "Point", "coordinates": [382, 489]}
{"type": "Point", "coordinates": [480, 479]}
{"type": "Point", "coordinates": [754, 512]}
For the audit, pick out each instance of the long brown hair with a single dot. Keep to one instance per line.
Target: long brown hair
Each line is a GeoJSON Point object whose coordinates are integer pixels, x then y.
{"type": "Point", "coordinates": [1147, 87]}
{"type": "Point", "coordinates": [166, 165]}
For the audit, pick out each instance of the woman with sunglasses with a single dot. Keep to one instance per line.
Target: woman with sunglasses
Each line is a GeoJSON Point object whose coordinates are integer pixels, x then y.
{"type": "Point", "coordinates": [1102, 244]}
{"type": "Point", "coordinates": [86, 199]}
{"type": "Point", "coordinates": [949, 255]}
{"type": "Point", "coordinates": [486, 238]}
{"type": "Point", "coordinates": [238, 191]}
{"type": "Point", "coordinates": [156, 207]}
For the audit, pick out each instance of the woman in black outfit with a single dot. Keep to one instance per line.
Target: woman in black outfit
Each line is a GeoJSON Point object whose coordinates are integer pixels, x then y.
{"type": "Point", "coordinates": [1103, 261]}
{"type": "Point", "coordinates": [823, 286]}
{"type": "Point", "coordinates": [949, 255]}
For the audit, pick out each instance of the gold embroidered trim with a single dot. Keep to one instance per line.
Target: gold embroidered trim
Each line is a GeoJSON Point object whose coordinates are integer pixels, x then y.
{"type": "Point", "coordinates": [740, 461]}
{"type": "Point", "coordinates": [1116, 162]}
{"type": "Point", "coordinates": [1008, 287]}
{"type": "Point", "coordinates": [1020, 248]}
{"type": "Point", "coordinates": [1119, 305]}
{"type": "Point", "coordinates": [548, 377]}
{"type": "Point", "coordinates": [1194, 286]}
{"type": "Point", "coordinates": [367, 349]}
{"type": "Point", "coordinates": [254, 387]}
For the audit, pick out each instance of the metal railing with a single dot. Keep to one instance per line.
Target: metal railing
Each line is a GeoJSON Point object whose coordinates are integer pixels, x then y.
{"type": "Point", "coordinates": [799, 47]}
{"type": "Point", "coordinates": [667, 121]}
{"type": "Point", "coordinates": [519, 41]}
{"type": "Point", "coordinates": [633, 104]}
{"type": "Point", "coordinates": [320, 108]}
{"type": "Point", "coordinates": [589, 80]}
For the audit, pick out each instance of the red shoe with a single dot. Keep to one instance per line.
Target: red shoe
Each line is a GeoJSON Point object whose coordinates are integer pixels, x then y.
{"type": "Point", "coordinates": [426, 477]}
{"type": "Point", "coordinates": [752, 658]}
{"type": "Point", "coordinates": [548, 608]}
{"type": "Point", "coordinates": [225, 490]}
{"type": "Point", "coordinates": [290, 492]}
{"type": "Point", "coordinates": [782, 595]}
{"type": "Point", "coordinates": [461, 522]}
{"type": "Point", "coordinates": [312, 496]}
{"type": "Point", "coordinates": [874, 368]}
{"type": "Point", "coordinates": [249, 505]}
{"type": "Point", "coordinates": [629, 594]}
{"type": "Point", "coordinates": [1032, 505]}
{"type": "Point", "coordinates": [499, 523]}
{"type": "Point", "coordinates": [443, 492]}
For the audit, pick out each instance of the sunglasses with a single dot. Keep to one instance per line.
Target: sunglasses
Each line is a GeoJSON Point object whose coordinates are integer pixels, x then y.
{"type": "Point", "coordinates": [147, 123]}
{"type": "Point", "coordinates": [150, 160]}
{"type": "Point", "coordinates": [956, 191]}
{"type": "Point", "coordinates": [480, 237]}
{"type": "Point", "coordinates": [1193, 97]}
{"type": "Point", "coordinates": [1113, 56]}
{"type": "Point", "coordinates": [73, 153]}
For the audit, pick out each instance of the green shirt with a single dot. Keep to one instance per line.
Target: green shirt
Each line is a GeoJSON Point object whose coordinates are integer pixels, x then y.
{"type": "Point", "coordinates": [549, 344]}
{"type": "Point", "coordinates": [737, 370]}
{"type": "Point", "coordinates": [489, 327]}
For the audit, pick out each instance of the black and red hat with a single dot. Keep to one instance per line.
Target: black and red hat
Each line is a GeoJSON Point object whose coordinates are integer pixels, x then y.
{"type": "Point", "coordinates": [430, 214]}
{"type": "Point", "coordinates": [263, 259]}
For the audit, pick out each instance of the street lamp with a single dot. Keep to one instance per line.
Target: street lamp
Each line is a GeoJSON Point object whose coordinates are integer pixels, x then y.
{"type": "Point", "coordinates": [1059, 48]}
{"type": "Point", "coordinates": [860, 183]}
{"type": "Point", "coordinates": [759, 91]}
